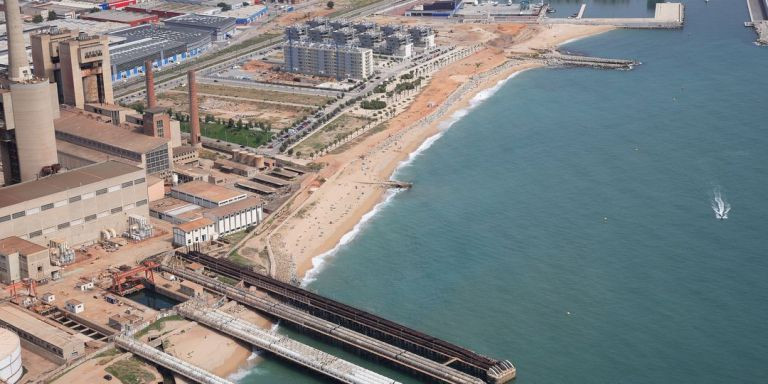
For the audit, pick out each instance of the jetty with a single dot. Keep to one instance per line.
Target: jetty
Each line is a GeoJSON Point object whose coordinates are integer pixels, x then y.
{"type": "Point", "coordinates": [391, 184]}
{"type": "Point", "coordinates": [181, 367]}
{"type": "Point", "coordinates": [363, 332]}
{"type": "Point", "coordinates": [666, 16]}
{"type": "Point", "coordinates": [555, 58]}
{"type": "Point", "coordinates": [758, 15]}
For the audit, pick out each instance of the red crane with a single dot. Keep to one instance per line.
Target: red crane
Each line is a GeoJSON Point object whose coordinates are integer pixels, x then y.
{"type": "Point", "coordinates": [30, 284]}
{"type": "Point", "coordinates": [118, 278]}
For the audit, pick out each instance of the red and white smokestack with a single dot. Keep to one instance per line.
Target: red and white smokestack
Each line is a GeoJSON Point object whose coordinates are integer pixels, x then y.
{"type": "Point", "coordinates": [194, 118]}
{"type": "Point", "coordinates": [149, 77]}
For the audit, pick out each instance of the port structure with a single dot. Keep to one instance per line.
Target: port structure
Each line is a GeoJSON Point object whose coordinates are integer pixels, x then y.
{"type": "Point", "coordinates": [129, 281]}
{"type": "Point", "coordinates": [404, 347]}
{"type": "Point", "coordinates": [282, 346]}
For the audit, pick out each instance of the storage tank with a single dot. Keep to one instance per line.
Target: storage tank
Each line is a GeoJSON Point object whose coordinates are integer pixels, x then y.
{"type": "Point", "coordinates": [35, 137]}
{"type": "Point", "coordinates": [10, 357]}
{"type": "Point", "coordinates": [259, 161]}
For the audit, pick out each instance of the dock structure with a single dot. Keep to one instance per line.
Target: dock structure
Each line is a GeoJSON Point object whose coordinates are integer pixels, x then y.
{"type": "Point", "coordinates": [158, 357]}
{"type": "Point", "coordinates": [581, 11]}
{"type": "Point", "coordinates": [758, 15]}
{"type": "Point", "coordinates": [292, 350]}
{"type": "Point", "coordinates": [406, 348]}
{"type": "Point", "coordinates": [667, 15]}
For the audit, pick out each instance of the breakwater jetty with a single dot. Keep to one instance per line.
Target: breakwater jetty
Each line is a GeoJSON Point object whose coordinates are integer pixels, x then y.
{"type": "Point", "coordinates": [555, 58]}
{"type": "Point", "coordinates": [758, 15]}
{"type": "Point", "coordinates": [667, 16]}
{"type": "Point", "coordinates": [371, 335]}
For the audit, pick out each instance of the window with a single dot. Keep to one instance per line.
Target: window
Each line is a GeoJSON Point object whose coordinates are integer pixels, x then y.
{"type": "Point", "coordinates": [19, 214]}
{"type": "Point", "coordinates": [63, 225]}
{"type": "Point", "coordinates": [74, 199]}
{"type": "Point", "coordinates": [116, 210]}
{"type": "Point", "coordinates": [35, 234]}
{"type": "Point", "coordinates": [5, 218]}
{"type": "Point", "coordinates": [127, 184]}
{"type": "Point", "coordinates": [141, 202]}
{"type": "Point", "coordinates": [46, 207]}
{"type": "Point", "coordinates": [90, 218]}
{"type": "Point", "coordinates": [138, 181]}
{"type": "Point", "coordinates": [101, 191]}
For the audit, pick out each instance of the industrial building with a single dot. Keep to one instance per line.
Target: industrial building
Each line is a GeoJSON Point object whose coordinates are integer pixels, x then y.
{"type": "Point", "coordinates": [84, 138]}
{"type": "Point", "coordinates": [220, 28]}
{"type": "Point", "coordinates": [23, 259]}
{"type": "Point", "coordinates": [320, 59]}
{"type": "Point", "coordinates": [79, 64]}
{"type": "Point", "coordinates": [161, 45]}
{"type": "Point", "coordinates": [132, 19]}
{"type": "Point", "coordinates": [210, 224]}
{"type": "Point", "coordinates": [439, 8]}
{"type": "Point", "coordinates": [206, 195]}
{"type": "Point", "coordinates": [11, 367]}
{"type": "Point", "coordinates": [74, 206]}
{"type": "Point", "coordinates": [39, 336]}
{"type": "Point", "coordinates": [246, 15]}
{"type": "Point", "coordinates": [168, 9]}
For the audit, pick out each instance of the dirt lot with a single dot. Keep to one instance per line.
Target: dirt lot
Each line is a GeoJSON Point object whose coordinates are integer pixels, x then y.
{"type": "Point", "coordinates": [258, 94]}
{"type": "Point", "coordinates": [280, 115]}
{"type": "Point", "coordinates": [269, 72]}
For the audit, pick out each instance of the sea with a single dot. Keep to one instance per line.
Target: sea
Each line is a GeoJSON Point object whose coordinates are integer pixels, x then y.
{"type": "Point", "coordinates": [572, 221]}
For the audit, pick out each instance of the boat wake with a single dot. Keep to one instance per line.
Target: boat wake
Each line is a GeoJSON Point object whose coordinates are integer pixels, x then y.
{"type": "Point", "coordinates": [719, 205]}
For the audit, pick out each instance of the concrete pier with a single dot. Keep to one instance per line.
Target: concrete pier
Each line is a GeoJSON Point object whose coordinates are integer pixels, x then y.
{"type": "Point", "coordinates": [291, 350]}
{"type": "Point", "coordinates": [558, 59]}
{"type": "Point", "coordinates": [181, 367]}
{"type": "Point", "coordinates": [436, 371]}
{"type": "Point", "coordinates": [758, 15]}
{"type": "Point", "coordinates": [668, 15]}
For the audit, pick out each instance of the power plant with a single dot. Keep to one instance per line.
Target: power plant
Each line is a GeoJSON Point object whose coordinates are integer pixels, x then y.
{"type": "Point", "coordinates": [29, 105]}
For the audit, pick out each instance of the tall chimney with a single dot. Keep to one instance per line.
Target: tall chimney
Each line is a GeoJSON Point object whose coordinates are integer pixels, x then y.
{"type": "Point", "coordinates": [18, 66]}
{"type": "Point", "coordinates": [149, 77]}
{"type": "Point", "coordinates": [194, 118]}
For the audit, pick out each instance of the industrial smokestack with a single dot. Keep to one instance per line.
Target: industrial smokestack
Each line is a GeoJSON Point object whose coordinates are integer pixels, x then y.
{"type": "Point", "coordinates": [18, 66]}
{"type": "Point", "coordinates": [150, 79]}
{"type": "Point", "coordinates": [194, 119]}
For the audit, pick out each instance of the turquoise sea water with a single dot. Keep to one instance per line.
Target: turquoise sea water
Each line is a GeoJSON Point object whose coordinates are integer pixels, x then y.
{"type": "Point", "coordinates": [565, 222]}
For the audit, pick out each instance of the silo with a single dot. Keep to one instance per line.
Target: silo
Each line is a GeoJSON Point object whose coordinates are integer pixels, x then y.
{"type": "Point", "coordinates": [35, 137]}
{"type": "Point", "coordinates": [10, 357]}
{"type": "Point", "coordinates": [259, 161]}
{"type": "Point", "coordinates": [250, 159]}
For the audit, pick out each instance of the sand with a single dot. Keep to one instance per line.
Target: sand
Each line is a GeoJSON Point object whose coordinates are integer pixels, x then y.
{"type": "Point", "coordinates": [350, 190]}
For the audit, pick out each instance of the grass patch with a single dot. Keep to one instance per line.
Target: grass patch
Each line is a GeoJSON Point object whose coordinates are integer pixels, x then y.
{"type": "Point", "coordinates": [247, 137]}
{"type": "Point", "coordinates": [360, 138]}
{"type": "Point", "coordinates": [334, 131]}
{"type": "Point", "coordinates": [353, 5]}
{"type": "Point", "coordinates": [235, 238]}
{"type": "Point", "coordinates": [130, 371]}
{"type": "Point", "coordinates": [237, 258]}
{"type": "Point", "coordinates": [108, 353]}
{"type": "Point", "coordinates": [227, 280]}
{"type": "Point", "coordinates": [259, 94]}
{"type": "Point", "coordinates": [157, 325]}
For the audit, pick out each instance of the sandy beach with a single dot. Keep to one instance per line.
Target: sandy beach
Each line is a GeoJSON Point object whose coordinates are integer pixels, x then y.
{"type": "Point", "coordinates": [351, 191]}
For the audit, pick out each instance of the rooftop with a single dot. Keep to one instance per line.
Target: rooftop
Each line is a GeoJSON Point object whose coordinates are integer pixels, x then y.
{"type": "Point", "coordinates": [198, 20]}
{"type": "Point", "coordinates": [170, 6]}
{"type": "Point", "coordinates": [20, 319]}
{"type": "Point", "coordinates": [60, 182]}
{"type": "Point", "coordinates": [172, 206]}
{"type": "Point", "coordinates": [17, 244]}
{"type": "Point", "coordinates": [84, 124]}
{"type": "Point", "coordinates": [208, 191]}
{"type": "Point", "coordinates": [118, 16]}
{"type": "Point", "coordinates": [196, 224]}
{"type": "Point", "coordinates": [250, 202]}
{"type": "Point", "coordinates": [151, 31]}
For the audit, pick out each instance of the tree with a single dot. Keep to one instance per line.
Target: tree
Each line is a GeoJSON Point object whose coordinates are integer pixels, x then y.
{"type": "Point", "coordinates": [37, 19]}
{"type": "Point", "coordinates": [245, 3]}
{"type": "Point", "coordinates": [52, 15]}
{"type": "Point", "coordinates": [330, 4]}
{"type": "Point", "coordinates": [94, 10]}
{"type": "Point", "coordinates": [224, 6]}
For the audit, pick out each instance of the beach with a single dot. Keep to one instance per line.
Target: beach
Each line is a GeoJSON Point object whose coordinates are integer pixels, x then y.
{"type": "Point", "coordinates": [353, 189]}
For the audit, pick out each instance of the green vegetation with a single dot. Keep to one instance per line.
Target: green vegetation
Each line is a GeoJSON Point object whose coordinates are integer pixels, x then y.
{"type": "Point", "coordinates": [373, 104]}
{"type": "Point", "coordinates": [157, 325]}
{"type": "Point", "coordinates": [130, 371]}
{"type": "Point", "coordinates": [332, 133]}
{"type": "Point", "coordinates": [353, 5]}
{"type": "Point", "coordinates": [227, 280]}
{"type": "Point", "coordinates": [224, 6]}
{"type": "Point", "coordinates": [360, 138]}
{"type": "Point", "coordinates": [37, 19]}
{"type": "Point", "coordinates": [330, 4]}
{"type": "Point", "coordinates": [52, 15]}
{"type": "Point", "coordinates": [231, 133]}
{"type": "Point", "coordinates": [108, 353]}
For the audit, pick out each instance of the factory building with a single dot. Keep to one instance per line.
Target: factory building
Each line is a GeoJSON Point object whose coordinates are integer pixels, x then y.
{"type": "Point", "coordinates": [198, 225]}
{"type": "Point", "coordinates": [246, 15]}
{"type": "Point", "coordinates": [206, 195]}
{"type": "Point", "coordinates": [160, 45]}
{"type": "Point", "coordinates": [28, 105]}
{"type": "Point", "coordinates": [341, 62]}
{"type": "Point", "coordinates": [74, 206]}
{"type": "Point", "coordinates": [132, 19]}
{"type": "Point", "coordinates": [23, 259]}
{"type": "Point", "coordinates": [84, 138]}
{"type": "Point", "coordinates": [220, 28]}
{"type": "Point", "coordinates": [168, 9]}
{"type": "Point", "coordinates": [39, 336]}
{"type": "Point", "coordinates": [10, 357]}
{"type": "Point", "coordinates": [79, 64]}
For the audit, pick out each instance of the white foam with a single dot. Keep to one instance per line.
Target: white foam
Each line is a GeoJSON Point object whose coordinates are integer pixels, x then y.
{"type": "Point", "coordinates": [247, 369]}
{"type": "Point", "coordinates": [319, 261]}
{"type": "Point", "coordinates": [719, 205]}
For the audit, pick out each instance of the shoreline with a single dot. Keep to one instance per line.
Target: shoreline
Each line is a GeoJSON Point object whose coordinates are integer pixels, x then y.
{"type": "Point", "coordinates": [309, 268]}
